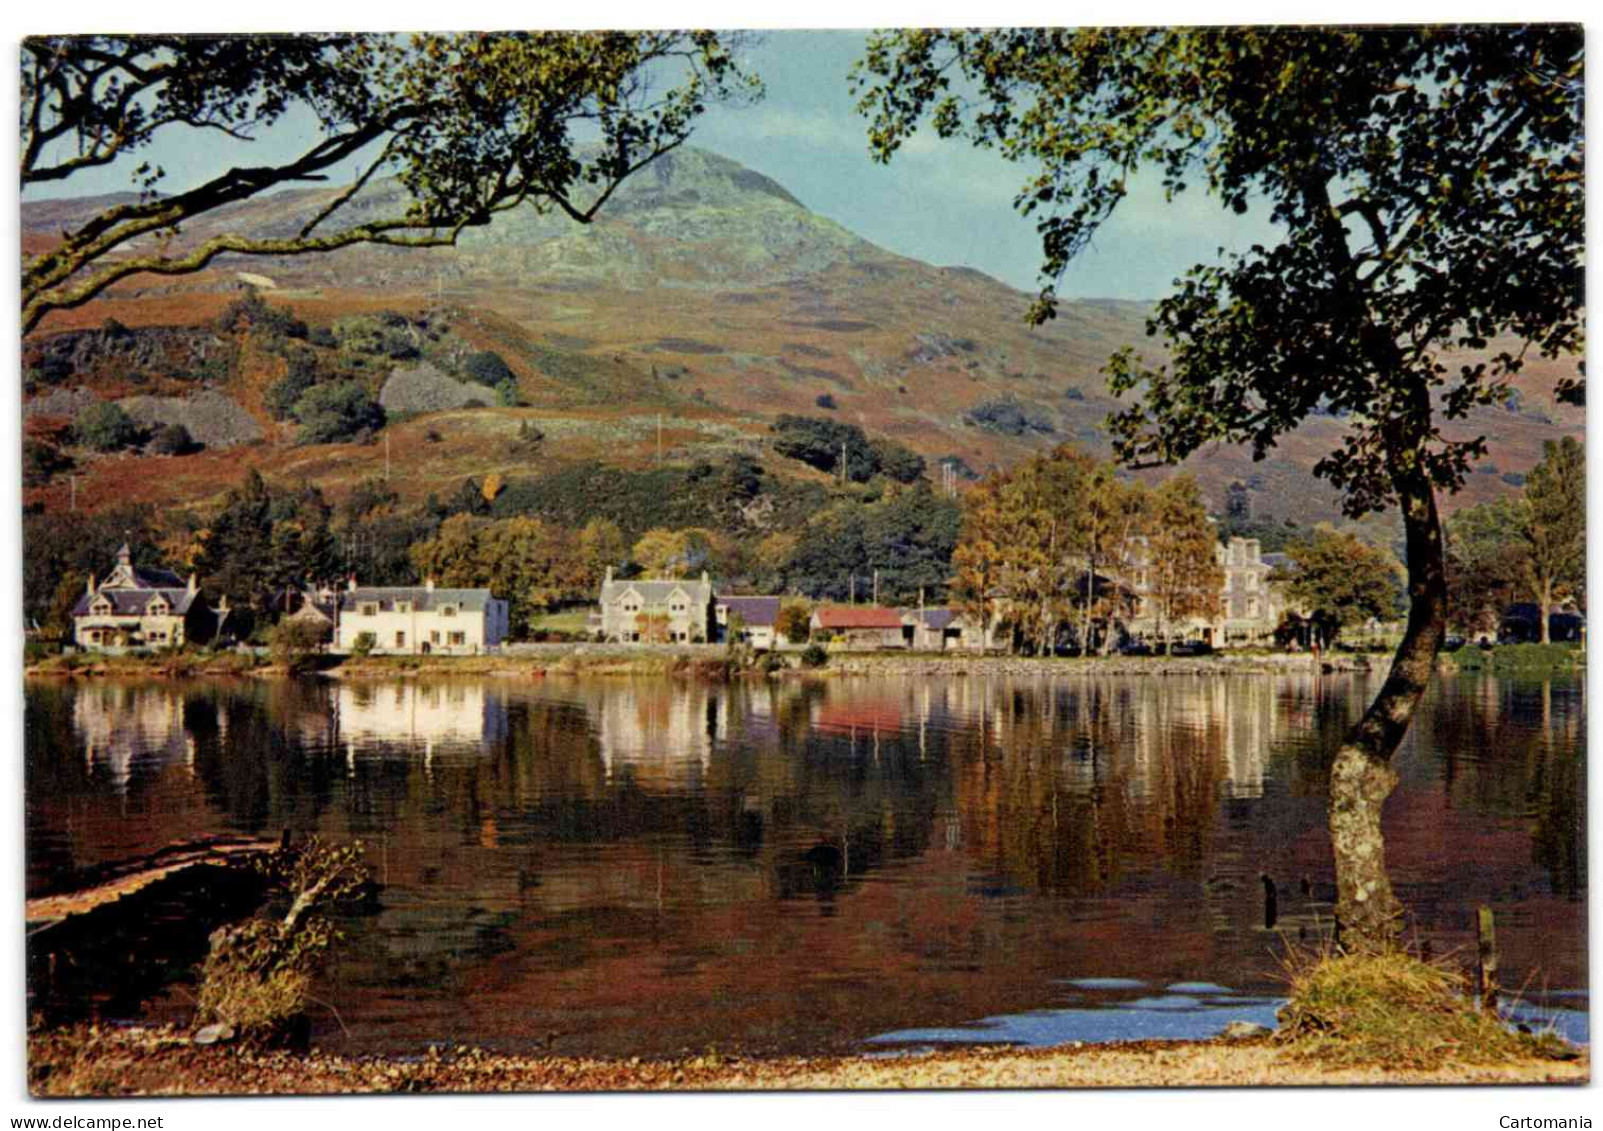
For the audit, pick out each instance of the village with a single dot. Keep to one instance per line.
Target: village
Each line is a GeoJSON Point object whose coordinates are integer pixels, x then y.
{"type": "Point", "coordinates": [135, 609]}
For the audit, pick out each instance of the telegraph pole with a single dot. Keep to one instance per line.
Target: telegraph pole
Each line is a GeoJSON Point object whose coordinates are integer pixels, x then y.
{"type": "Point", "coordinates": [386, 455]}
{"type": "Point", "coordinates": [876, 587]}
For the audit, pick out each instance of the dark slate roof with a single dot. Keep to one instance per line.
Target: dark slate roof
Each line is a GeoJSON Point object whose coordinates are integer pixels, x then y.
{"type": "Point", "coordinates": [133, 602]}
{"type": "Point", "coordinates": [423, 599]}
{"type": "Point", "coordinates": [934, 619]}
{"type": "Point", "coordinates": [1278, 561]}
{"type": "Point", "coordinates": [656, 592]}
{"type": "Point", "coordinates": [158, 579]}
{"type": "Point", "coordinates": [757, 612]}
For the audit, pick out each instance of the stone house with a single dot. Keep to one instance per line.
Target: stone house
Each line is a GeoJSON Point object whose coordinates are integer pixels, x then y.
{"type": "Point", "coordinates": [664, 611]}
{"type": "Point", "coordinates": [1251, 606]}
{"type": "Point", "coordinates": [136, 608]}
{"type": "Point", "coordinates": [420, 620]}
{"type": "Point", "coordinates": [758, 618]}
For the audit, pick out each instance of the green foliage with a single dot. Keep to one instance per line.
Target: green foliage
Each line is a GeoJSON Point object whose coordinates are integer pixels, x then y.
{"type": "Point", "coordinates": [294, 644]}
{"type": "Point", "coordinates": [257, 974]}
{"type": "Point", "coordinates": [105, 427]}
{"type": "Point", "coordinates": [794, 622]}
{"type": "Point", "coordinates": [1554, 530]}
{"type": "Point", "coordinates": [172, 440]}
{"type": "Point", "coordinates": [1342, 581]}
{"type": "Point", "coordinates": [1529, 658]}
{"type": "Point", "coordinates": [338, 411]}
{"type": "Point", "coordinates": [814, 656]}
{"type": "Point", "coordinates": [364, 644]}
{"type": "Point", "coordinates": [907, 536]}
{"type": "Point", "coordinates": [823, 444]}
{"type": "Point", "coordinates": [1486, 564]}
{"type": "Point", "coordinates": [1007, 417]}
{"type": "Point", "coordinates": [532, 564]}
{"type": "Point", "coordinates": [255, 314]}
{"type": "Point", "coordinates": [41, 462]}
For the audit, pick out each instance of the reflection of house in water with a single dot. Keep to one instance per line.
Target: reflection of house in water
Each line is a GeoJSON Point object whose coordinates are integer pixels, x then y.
{"type": "Point", "coordinates": [418, 715]}
{"type": "Point", "coordinates": [661, 734]}
{"type": "Point", "coordinates": [121, 725]}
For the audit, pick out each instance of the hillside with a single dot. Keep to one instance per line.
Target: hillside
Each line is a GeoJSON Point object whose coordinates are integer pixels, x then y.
{"type": "Point", "coordinates": [706, 298]}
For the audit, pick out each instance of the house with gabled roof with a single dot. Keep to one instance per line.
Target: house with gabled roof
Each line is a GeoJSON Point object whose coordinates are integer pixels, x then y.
{"type": "Point", "coordinates": [756, 618]}
{"type": "Point", "coordinates": [136, 608]}
{"type": "Point", "coordinates": [657, 611]}
{"type": "Point", "coordinates": [419, 620]}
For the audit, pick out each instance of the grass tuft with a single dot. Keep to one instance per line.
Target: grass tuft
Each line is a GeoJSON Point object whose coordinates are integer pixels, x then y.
{"type": "Point", "coordinates": [1395, 1010]}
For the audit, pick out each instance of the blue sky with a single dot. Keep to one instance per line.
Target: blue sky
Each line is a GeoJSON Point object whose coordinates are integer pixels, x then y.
{"type": "Point", "coordinates": [940, 201]}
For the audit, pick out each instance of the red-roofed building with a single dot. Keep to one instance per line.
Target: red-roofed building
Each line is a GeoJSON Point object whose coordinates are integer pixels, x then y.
{"type": "Point", "coordinates": [862, 627]}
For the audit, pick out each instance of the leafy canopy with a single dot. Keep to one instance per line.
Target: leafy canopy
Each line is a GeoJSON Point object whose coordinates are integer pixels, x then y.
{"type": "Point", "coordinates": [1426, 182]}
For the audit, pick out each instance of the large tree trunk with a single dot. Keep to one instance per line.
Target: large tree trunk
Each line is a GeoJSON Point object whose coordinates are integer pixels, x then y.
{"type": "Point", "coordinates": [1546, 604]}
{"type": "Point", "coordinates": [1368, 914]}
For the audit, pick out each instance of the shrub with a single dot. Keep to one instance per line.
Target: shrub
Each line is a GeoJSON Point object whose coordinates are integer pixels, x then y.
{"type": "Point", "coordinates": [1007, 417]}
{"type": "Point", "coordinates": [814, 656]}
{"type": "Point", "coordinates": [825, 400]}
{"type": "Point", "coordinates": [257, 973]}
{"type": "Point", "coordinates": [105, 427]}
{"type": "Point", "coordinates": [295, 644]}
{"type": "Point", "coordinates": [364, 644]}
{"type": "Point", "coordinates": [41, 461]}
{"type": "Point", "coordinates": [340, 410]}
{"type": "Point", "coordinates": [172, 440]}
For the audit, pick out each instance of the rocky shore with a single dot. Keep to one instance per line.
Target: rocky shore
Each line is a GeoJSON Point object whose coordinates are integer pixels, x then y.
{"type": "Point", "coordinates": [150, 1062]}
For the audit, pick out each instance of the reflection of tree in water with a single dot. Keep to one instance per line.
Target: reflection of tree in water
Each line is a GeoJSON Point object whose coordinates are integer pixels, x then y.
{"type": "Point", "coordinates": [1061, 785]}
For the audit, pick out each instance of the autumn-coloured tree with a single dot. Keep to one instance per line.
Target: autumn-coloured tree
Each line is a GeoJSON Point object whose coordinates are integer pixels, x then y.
{"type": "Point", "coordinates": [533, 565]}
{"type": "Point", "coordinates": [1554, 529]}
{"type": "Point", "coordinates": [601, 545]}
{"type": "Point", "coordinates": [1426, 189]}
{"type": "Point", "coordinates": [1184, 577]}
{"type": "Point", "coordinates": [1112, 518]}
{"type": "Point", "coordinates": [472, 125]}
{"type": "Point", "coordinates": [1339, 581]}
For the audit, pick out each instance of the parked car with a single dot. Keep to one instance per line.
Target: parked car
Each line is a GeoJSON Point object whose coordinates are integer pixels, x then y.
{"type": "Point", "coordinates": [1452, 643]}
{"type": "Point", "coordinates": [1191, 648]}
{"type": "Point", "coordinates": [1135, 648]}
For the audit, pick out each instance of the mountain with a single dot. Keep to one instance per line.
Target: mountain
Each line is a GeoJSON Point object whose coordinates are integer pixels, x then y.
{"type": "Point", "coordinates": [708, 297]}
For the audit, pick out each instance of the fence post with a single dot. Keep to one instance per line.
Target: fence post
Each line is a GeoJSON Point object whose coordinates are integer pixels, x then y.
{"type": "Point", "coordinates": [1486, 959]}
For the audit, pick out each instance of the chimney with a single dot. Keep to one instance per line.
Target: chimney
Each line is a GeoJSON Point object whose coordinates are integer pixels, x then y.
{"type": "Point", "coordinates": [350, 584]}
{"type": "Point", "coordinates": [91, 585]}
{"type": "Point", "coordinates": [428, 584]}
{"type": "Point", "coordinates": [609, 575]}
{"type": "Point", "coordinates": [194, 587]}
{"type": "Point", "coordinates": [705, 579]}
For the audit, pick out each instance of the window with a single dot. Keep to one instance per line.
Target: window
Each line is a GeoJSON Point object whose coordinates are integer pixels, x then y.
{"type": "Point", "coordinates": [1252, 582]}
{"type": "Point", "coordinates": [369, 609]}
{"type": "Point", "coordinates": [400, 640]}
{"type": "Point", "coordinates": [101, 608]}
{"type": "Point", "coordinates": [458, 639]}
{"type": "Point", "coordinates": [434, 636]}
{"type": "Point", "coordinates": [448, 610]}
{"type": "Point", "coordinates": [1252, 606]}
{"type": "Point", "coordinates": [403, 606]}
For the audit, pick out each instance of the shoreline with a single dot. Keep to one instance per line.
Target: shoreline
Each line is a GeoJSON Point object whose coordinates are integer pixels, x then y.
{"type": "Point", "coordinates": [88, 1061]}
{"type": "Point", "coordinates": [713, 662]}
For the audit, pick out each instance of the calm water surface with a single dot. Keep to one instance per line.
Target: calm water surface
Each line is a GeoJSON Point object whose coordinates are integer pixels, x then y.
{"type": "Point", "coordinates": [639, 867]}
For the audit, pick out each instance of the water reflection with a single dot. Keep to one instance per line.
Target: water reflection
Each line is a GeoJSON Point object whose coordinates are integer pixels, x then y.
{"type": "Point", "coordinates": [790, 866]}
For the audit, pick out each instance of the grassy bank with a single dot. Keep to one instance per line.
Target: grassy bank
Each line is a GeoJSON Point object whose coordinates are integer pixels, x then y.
{"type": "Point", "coordinates": [87, 1062]}
{"type": "Point", "coordinates": [173, 665]}
{"type": "Point", "coordinates": [1517, 659]}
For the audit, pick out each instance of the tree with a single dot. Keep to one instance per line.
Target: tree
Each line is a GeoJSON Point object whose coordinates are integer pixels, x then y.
{"type": "Point", "coordinates": [601, 545]}
{"type": "Point", "coordinates": [661, 552]}
{"type": "Point", "coordinates": [532, 564]}
{"type": "Point", "coordinates": [1427, 190]}
{"type": "Point", "coordinates": [172, 440]}
{"type": "Point", "coordinates": [105, 427]}
{"type": "Point", "coordinates": [339, 410]}
{"type": "Point", "coordinates": [1486, 564]}
{"type": "Point", "coordinates": [471, 125]}
{"type": "Point", "coordinates": [1184, 575]}
{"type": "Point", "coordinates": [1555, 526]}
{"type": "Point", "coordinates": [794, 622]}
{"type": "Point", "coordinates": [1340, 581]}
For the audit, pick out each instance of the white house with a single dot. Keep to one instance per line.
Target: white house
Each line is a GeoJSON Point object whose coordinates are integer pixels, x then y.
{"type": "Point", "coordinates": [420, 620]}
